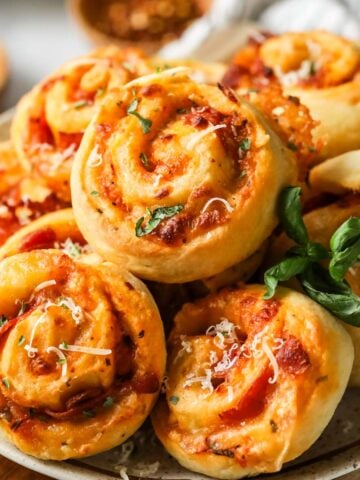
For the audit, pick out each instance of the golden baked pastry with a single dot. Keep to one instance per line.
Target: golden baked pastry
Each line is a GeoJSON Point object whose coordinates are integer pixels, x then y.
{"type": "Point", "coordinates": [251, 383]}
{"type": "Point", "coordinates": [337, 175]}
{"type": "Point", "coordinates": [52, 230]}
{"type": "Point", "coordinates": [82, 356]}
{"type": "Point", "coordinates": [318, 67]}
{"type": "Point", "coordinates": [22, 198]}
{"type": "Point", "coordinates": [50, 120]}
{"type": "Point", "coordinates": [321, 223]}
{"type": "Point", "coordinates": [178, 181]}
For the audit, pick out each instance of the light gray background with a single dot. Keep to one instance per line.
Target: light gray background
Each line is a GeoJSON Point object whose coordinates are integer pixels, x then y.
{"type": "Point", "coordinates": [39, 35]}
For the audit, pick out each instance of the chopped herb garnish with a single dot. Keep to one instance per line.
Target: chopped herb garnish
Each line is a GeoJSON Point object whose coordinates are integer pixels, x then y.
{"type": "Point", "coordinates": [21, 340]}
{"type": "Point", "coordinates": [144, 160]}
{"type": "Point", "coordinates": [145, 123]}
{"type": "Point", "coordinates": [292, 146]}
{"type": "Point", "coordinates": [312, 149]}
{"type": "Point", "coordinates": [89, 413]}
{"type": "Point", "coordinates": [156, 216]}
{"type": "Point", "coordinates": [109, 402]}
{"type": "Point", "coordinates": [3, 319]}
{"type": "Point", "coordinates": [23, 307]}
{"type": "Point", "coordinates": [64, 345]}
{"type": "Point", "coordinates": [312, 69]}
{"type": "Point", "coordinates": [242, 174]}
{"type": "Point", "coordinates": [94, 193]}
{"type": "Point", "coordinates": [6, 382]}
{"type": "Point", "coordinates": [80, 104]}
{"type": "Point", "coordinates": [253, 90]}
{"type": "Point", "coordinates": [100, 92]}
{"type": "Point", "coordinates": [245, 144]}
{"type": "Point", "coordinates": [181, 111]}
{"type": "Point", "coordinates": [61, 361]}
{"type": "Point", "coordinates": [174, 399]}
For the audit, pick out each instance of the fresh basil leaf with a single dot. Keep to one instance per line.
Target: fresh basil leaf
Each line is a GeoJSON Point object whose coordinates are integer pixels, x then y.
{"type": "Point", "coordinates": [284, 270]}
{"type": "Point", "coordinates": [316, 252]}
{"type": "Point", "coordinates": [345, 245]}
{"type": "Point", "coordinates": [347, 234]}
{"type": "Point", "coordinates": [156, 217]}
{"type": "Point", "coordinates": [335, 296]}
{"type": "Point", "coordinates": [342, 261]}
{"type": "Point", "coordinates": [290, 215]}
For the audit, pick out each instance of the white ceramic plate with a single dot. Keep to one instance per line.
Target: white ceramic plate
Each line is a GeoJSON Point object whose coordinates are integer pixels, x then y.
{"type": "Point", "coordinates": [335, 455]}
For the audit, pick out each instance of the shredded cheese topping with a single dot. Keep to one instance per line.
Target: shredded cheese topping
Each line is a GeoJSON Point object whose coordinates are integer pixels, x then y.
{"type": "Point", "coordinates": [84, 349]}
{"type": "Point", "coordinates": [196, 137]}
{"type": "Point", "coordinates": [95, 159]}
{"type": "Point", "coordinates": [59, 157]}
{"type": "Point", "coordinates": [228, 207]}
{"type": "Point", "coordinates": [170, 72]}
{"type": "Point", "coordinates": [204, 380]}
{"type": "Point", "coordinates": [272, 359]}
{"type": "Point", "coordinates": [31, 351]}
{"type": "Point", "coordinates": [67, 302]}
{"type": "Point", "coordinates": [62, 358]}
{"type": "Point", "coordinates": [295, 76]}
{"type": "Point", "coordinates": [47, 283]}
{"type": "Point", "coordinates": [224, 332]}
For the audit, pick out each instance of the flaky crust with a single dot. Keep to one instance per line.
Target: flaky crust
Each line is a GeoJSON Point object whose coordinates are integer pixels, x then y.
{"type": "Point", "coordinates": [321, 223]}
{"type": "Point", "coordinates": [185, 167]}
{"type": "Point", "coordinates": [50, 120]}
{"type": "Point", "coordinates": [250, 420]}
{"type": "Point", "coordinates": [58, 402]}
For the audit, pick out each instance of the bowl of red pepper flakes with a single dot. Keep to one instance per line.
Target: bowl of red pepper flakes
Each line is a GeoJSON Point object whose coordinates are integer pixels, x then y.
{"type": "Point", "coordinates": [147, 24]}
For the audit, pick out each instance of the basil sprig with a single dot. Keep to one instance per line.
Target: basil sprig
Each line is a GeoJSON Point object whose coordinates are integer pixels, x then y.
{"type": "Point", "coordinates": [145, 123]}
{"type": "Point", "coordinates": [156, 216]}
{"type": "Point", "coordinates": [326, 287]}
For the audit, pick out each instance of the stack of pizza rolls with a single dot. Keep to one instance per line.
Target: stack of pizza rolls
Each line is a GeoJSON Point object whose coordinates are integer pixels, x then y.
{"type": "Point", "coordinates": [122, 168]}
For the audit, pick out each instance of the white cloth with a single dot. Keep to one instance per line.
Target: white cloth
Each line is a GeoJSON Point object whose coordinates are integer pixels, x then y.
{"type": "Point", "coordinates": [217, 35]}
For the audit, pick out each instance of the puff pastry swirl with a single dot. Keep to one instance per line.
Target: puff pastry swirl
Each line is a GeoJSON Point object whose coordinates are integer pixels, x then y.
{"type": "Point", "coordinates": [82, 354]}
{"type": "Point", "coordinates": [50, 120]}
{"type": "Point", "coordinates": [170, 179]}
{"type": "Point", "coordinates": [318, 67]}
{"type": "Point", "coordinates": [251, 383]}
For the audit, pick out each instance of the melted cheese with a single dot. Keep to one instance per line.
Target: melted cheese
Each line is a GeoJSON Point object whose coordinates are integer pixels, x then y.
{"type": "Point", "coordinates": [46, 284]}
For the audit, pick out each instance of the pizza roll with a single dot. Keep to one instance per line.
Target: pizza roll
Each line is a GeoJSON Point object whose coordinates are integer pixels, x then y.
{"type": "Point", "coordinates": [53, 230]}
{"type": "Point", "coordinates": [321, 223]}
{"type": "Point", "coordinates": [170, 179]}
{"type": "Point", "coordinates": [318, 67]}
{"type": "Point", "coordinates": [82, 354]}
{"type": "Point", "coordinates": [251, 383]}
{"type": "Point", "coordinates": [22, 198]}
{"type": "Point", "coordinates": [50, 120]}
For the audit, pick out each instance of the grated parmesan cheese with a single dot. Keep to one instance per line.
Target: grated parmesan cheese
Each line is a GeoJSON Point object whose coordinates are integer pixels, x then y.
{"type": "Point", "coordinates": [228, 207]}
{"type": "Point", "coordinates": [47, 283]}
{"type": "Point", "coordinates": [272, 359]}
{"type": "Point", "coordinates": [145, 469]}
{"type": "Point", "coordinates": [295, 76]}
{"type": "Point", "coordinates": [59, 157]}
{"type": "Point", "coordinates": [31, 351]}
{"type": "Point", "coordinates": [95, 159]}
{"type": "Point", "coordinates": [196, 137]}
{"type": "Point", "coordinates": [224, 332]}
{"type": "Point", "coordinates": [278, 111]}
{"type": "Point", "coordinates": [62, 358]}
{"type": "Point", "coordinates": [170, 72]}
{"type": "Point", "coordinates": [84, 349]}
{"type": "Point", "coordinates": [205, 380]}
{"type": "Point", "coordinates": [126, 449]}
{"type": "Point", "coordinates": [67, 302]}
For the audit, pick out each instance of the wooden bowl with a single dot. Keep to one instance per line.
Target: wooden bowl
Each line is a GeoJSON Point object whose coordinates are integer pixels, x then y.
{"type": "Point", "coordinates": [146, 24]}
